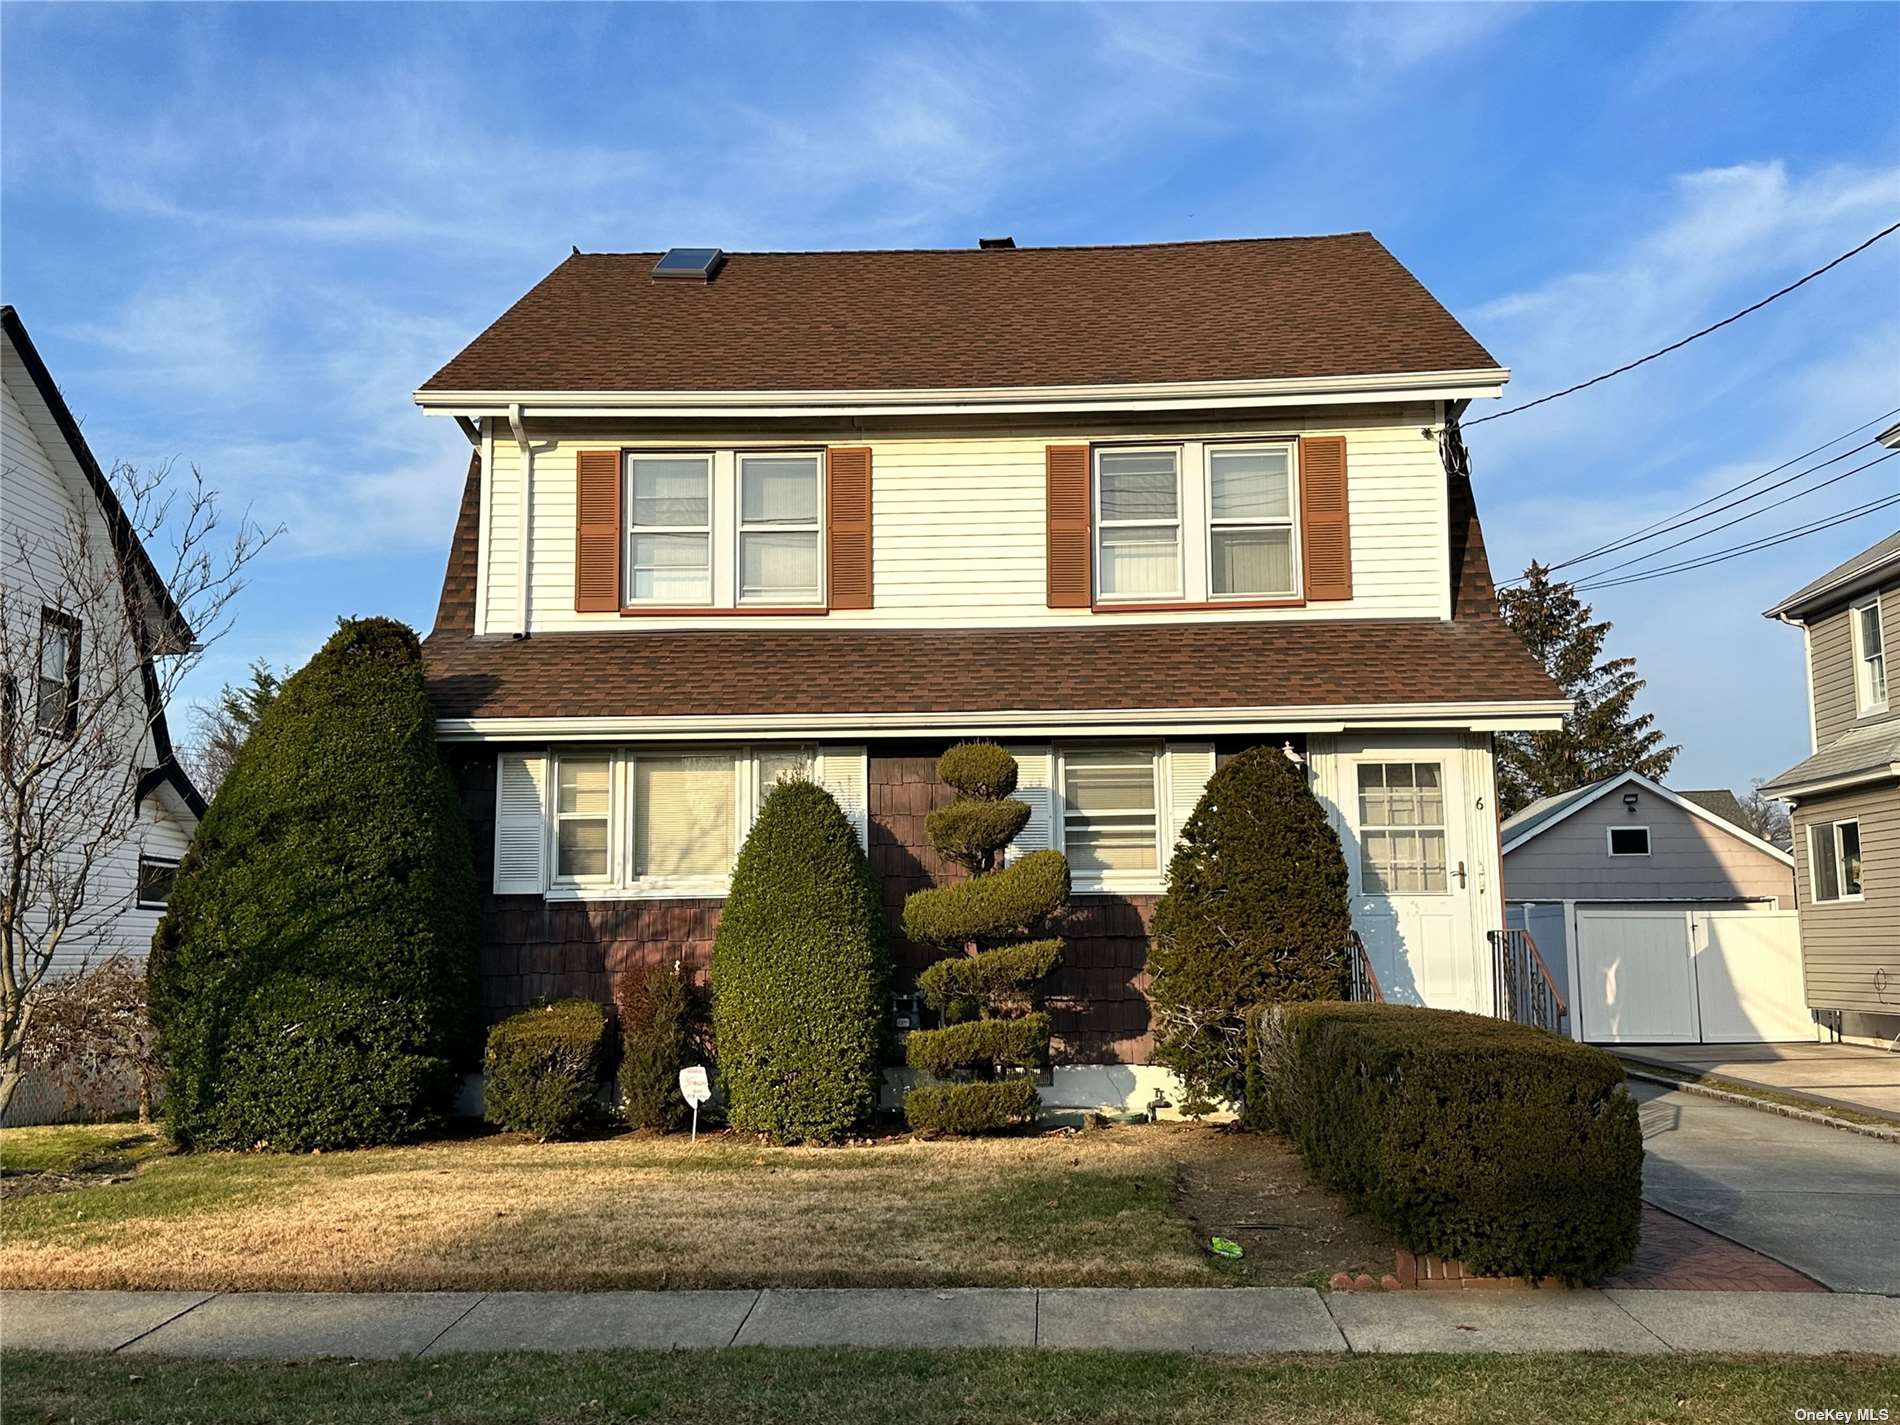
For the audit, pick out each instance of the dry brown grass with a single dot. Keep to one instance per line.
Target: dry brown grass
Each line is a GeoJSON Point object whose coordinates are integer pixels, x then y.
{"type": "Point", "coordinates": [495, 1213]}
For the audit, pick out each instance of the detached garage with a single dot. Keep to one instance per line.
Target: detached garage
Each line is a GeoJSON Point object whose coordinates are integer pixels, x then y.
{"type": "Point", "coordinates": [1662, 920]}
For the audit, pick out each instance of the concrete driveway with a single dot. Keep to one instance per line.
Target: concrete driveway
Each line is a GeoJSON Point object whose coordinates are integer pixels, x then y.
{"type": "Point", "coordinates": [1822, 1200]}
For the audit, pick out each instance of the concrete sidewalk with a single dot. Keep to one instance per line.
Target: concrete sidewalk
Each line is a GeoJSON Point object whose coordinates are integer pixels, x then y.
{"type": "Point", "coordinates": [1236, 1321]}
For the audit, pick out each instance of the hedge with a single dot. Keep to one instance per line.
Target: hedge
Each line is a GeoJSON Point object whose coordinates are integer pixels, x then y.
{"type": "Point", "coordinates": [995, 973]}
{"type": "Point", "coordinates": [1021, 1043]}
{"type": "Point", "coordinates": [970, 831]}
{"type": "Point", "coordinates": [325, 918]}
{"type": "Point", "coordinates": [1492, 1143]}
{"type": "Point", "coordinates": [985, 771]}
{"type": "Point", "coordinates": [800, 973]}
{"type": "Point", "coordinates": [980, 1107]}
{"type": "Point", "coordinates": [657, 1014]}
{"type": "Point", "coordinates": [543, 1068]}
{"type": "Point", "coordinates": [1011, 901]}
{"type": "Point", "coordinates": [1255, 912]}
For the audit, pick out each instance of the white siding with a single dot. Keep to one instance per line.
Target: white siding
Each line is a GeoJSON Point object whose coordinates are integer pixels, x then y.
{"type": "Point", "coordinates": [958, 526]}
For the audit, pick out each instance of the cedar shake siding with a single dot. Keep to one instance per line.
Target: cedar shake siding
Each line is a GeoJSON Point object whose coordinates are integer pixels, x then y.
{"type": "Point", "coordinates": [1847, 945]}
{"type": "Point", "coordinates": [533, 949]}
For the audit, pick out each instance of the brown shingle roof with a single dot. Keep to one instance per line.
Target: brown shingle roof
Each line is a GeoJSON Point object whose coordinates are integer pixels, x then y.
{"type": "Point", "coordinates": [1258, 309]}
{"type": "Point", "coordinates": [622, 672]}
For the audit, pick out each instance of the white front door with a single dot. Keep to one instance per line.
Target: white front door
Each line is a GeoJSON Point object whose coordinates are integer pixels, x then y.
{"type": "Point", "coordinates": [1409, 863]}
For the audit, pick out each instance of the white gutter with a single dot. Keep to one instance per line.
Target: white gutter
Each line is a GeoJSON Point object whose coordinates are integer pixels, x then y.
{"type": "Point", "coordinates": [1542, 716]}
{"type": "Point", "coordinates": [517, 423]}
{"type": "Point", "coordinates": [996, 400]}
{"type": "Point", "coordinates": [1794, 791]}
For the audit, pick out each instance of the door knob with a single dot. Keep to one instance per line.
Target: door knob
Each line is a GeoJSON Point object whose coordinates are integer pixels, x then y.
{"type": "Point", "coordinates": [1461, 875]}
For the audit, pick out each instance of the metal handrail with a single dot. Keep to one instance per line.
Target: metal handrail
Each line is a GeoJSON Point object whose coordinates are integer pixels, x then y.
{"type": "Point", "coordinates": [1524, 989]}
{"type": "Point", "coordinates": [1365, 980]}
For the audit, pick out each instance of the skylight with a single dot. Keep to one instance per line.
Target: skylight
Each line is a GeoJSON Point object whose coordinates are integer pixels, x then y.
{"type": "Point", "coordinates": [692, 264]}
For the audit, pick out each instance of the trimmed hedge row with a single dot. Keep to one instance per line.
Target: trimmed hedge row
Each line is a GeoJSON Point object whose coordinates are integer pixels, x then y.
{"type": "Point", "coordinates": [1007, 902]}
{"type": "Point", "coordinates": [1020, 1043]}
{"type": "Point", "coordinates": [656, 1009]}
{"type": "Point", "coordinates": [980, 1107]}
{"type": "Point", "coordinates": [543, 1067]}
{"type": "Point", "coordinates": [1502, 1146]}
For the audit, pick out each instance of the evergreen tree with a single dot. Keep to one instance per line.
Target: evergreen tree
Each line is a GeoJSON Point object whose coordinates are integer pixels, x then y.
{"type": "Point", "coordinates": [1604, 735]}
{"type": "Point", "coordinates": [223, 727]}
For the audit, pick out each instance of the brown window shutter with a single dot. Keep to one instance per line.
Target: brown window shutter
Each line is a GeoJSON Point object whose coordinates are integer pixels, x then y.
{"type": "Point", "coordinates": [596, 531]}
{"type": "Point", "coordinates": [1066, 492]}
{"type": "Point", "coordinates": [848, 527]}
{"type": "Point", "coordinates": [1325, 533]}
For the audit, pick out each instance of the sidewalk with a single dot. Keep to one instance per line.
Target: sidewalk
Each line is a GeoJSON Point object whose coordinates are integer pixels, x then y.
{"type": "Point", "coordinates": [1238, 1320]}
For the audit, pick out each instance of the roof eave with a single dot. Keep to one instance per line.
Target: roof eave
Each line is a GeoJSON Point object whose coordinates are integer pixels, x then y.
{"type": "Point", "coordinates": [1465, 385]}
{"type": "Point", "coordinates": [1795, 607]}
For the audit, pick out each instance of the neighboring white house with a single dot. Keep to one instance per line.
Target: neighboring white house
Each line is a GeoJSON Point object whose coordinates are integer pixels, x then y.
{"type": "Point", "coordinates": [1125, 509]}
{"type": "Point", "coordinates": [48, 477]}
{"type": "Point", "coordinates": [1661, 920]}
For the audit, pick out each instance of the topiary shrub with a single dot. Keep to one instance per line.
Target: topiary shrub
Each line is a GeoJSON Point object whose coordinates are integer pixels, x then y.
{"type": "Point", "coordinates": [800, 973]}
{"type": "Point", "coordinates": [543, 1066]}
{"type": "Point", "coordinates": [1492, 1143]}
{"type": "Point", "coordinates": [313, 979]}
{"type": "Point", "coordinates": [987, 992]}
{"type": "Point", "coordinates": [657, 1034]}
{"type": "Point", "coordinates": [1256, 912]}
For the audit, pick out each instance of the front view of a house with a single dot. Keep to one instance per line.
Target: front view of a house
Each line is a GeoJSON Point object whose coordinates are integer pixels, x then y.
{"type": "Point", "coordinates": [1127, 510]}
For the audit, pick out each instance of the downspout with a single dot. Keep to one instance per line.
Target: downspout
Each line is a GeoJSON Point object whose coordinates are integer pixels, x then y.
{"type": "Point", "coordinates": [519, 427]}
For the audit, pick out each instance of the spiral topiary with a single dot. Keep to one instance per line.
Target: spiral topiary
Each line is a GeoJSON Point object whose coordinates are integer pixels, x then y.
{"type": "Point", "coordinates": [987, 989]}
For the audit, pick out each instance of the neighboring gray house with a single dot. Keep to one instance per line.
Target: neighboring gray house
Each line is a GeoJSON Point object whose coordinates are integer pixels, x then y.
{"type": "Point", "coordinates": [1846, 794]}
{"type": "Point", "coordinates": [1661, 920]}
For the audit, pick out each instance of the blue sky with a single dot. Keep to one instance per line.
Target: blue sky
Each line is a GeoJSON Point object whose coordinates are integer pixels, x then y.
{"type": "Point", "coordinates": [243, 235]}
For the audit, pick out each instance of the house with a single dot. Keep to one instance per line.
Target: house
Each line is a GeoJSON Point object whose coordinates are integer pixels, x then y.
{"type": "Point", "coordinates": [60, 644]}
{"type": "Point", "coordinates": [1846, 794]}
{"type": "Point", "coordinates": [1125, 509]}
{"type": "Point", "coordinates": [1661, 920]}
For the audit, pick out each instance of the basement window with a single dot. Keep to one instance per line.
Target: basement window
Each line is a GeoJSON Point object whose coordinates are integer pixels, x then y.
{"type": "Point", "coordinates": [1629, 841]}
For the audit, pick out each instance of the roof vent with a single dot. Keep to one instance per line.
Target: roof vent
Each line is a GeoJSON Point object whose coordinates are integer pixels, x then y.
{"type": "Point", "coordinates": [995, 244]}
{"type": "Point", "coordinates": [688, 264]}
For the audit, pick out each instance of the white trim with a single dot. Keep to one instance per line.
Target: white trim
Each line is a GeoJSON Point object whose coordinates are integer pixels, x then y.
{"type": "Point", "coordinates": [1794, 791]}
{"type": "Point", "coordinates": [1543, 716]}
{"type": "Point", "coordinates": [739, 456]}
{"type": "Point", "coordinates": [487, 526]}
{"type": "Point", "coordinates": [1682, 803]}
{"type": "Point", "coordinates": [1609, 843]}
{"type": "Point", "coordinates": [1131, 883]}
{"type": "Point", "coordinates": [139, 902]}
{"type": "Point", "coordinates": [1833, 829]}
{"type": "Point", "coordinates": [1318, 390]}
{"type": "Point", "coordinates": [525, 530]}
{"type": "Point", "coordinates": [1296, 565]}
{"type": "Point", "coordinates": [629, 457]}
{"type": "Point", "coordinates": [1157, 596]}
{"type": "Point", "coordinates": [1795, 608]}
{"type": "Point", "coordinates": [1865, 704]}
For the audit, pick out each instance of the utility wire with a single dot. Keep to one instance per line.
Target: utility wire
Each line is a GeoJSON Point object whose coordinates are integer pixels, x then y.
{"type": "Point", "coordinates": [1679, 518]}
{"type": "Point", "coordinates": [1772, 504]}
{"type": "Point", "coordinates": [1721, 556]}
{"type": "Point", "coordinates": [1696, 336]}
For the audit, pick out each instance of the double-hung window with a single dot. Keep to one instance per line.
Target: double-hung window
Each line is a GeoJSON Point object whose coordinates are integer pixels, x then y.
{"type": "Point", "coordinates": [1110, 816]}
{"type": "Point", "coordinates": [56, 704]}
{"type": "Point", "coordinates": [1834, 861]}
{"type": "Point", "coordinates": [1138, 525]}
{"type": "Point", "coordinates": [583, 801]}
{"type": "Point", "coordinates": [779, 548]}
{"type": "Point", "coordinates": [1870, 658]}
{"type": "Point", "coordinates": [669, 529]}
{"type": "Point", "coordinates": [1401, 828]}
{"type": "Point", "coordinates": [1250, 521]}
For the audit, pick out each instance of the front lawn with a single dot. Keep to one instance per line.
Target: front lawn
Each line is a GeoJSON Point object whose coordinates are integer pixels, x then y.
{"type": "Point", "coordinates": [1120, 1207]}
{"type": "Point", "coordinates": [860, 1387]}
{"type": "Point", "coordinates": [76, 1147]}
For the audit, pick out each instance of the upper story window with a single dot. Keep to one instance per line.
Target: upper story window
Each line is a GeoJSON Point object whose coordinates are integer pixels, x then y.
{"type": "Point", "coordinates": [1225, 531]}
{"type": "Point", "coordinates": [669, 529]}
{"type": "Point", "coordinates": [56, 703]}
{"type": "Point", "coordinates": [156, 875]}
{"type": "Point", "coordinates": [1870, 658]}
{"type": "Point", "coordinates": [779, 560]}
{"type": "Point", "coordinates": [1138, 524]}
{"type": "Point", "coordinates": [1834, 861]}
{"type": "Point", "coordinates": [1629, 840]}
{"type": "Point", "coordinates": [1250, 521]}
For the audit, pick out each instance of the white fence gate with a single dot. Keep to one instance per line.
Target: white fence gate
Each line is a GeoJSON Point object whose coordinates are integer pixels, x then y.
{"type": "Point", "coordinates": [1649, 976]}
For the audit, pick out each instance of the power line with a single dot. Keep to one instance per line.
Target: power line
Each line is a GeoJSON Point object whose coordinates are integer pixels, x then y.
{"type": "Point", "coordinates": [1722, 556]}
{"type": "Point", "coordinates": [1678, 519]}
{"type": "Point", "coordinates": [1771, 505]}
{"type": "Point", "coordinates": [1696, 336]}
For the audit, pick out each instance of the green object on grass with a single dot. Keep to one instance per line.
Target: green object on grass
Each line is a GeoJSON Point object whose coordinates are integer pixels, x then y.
{"type": "Point", "coordinates": [1222, 1247]}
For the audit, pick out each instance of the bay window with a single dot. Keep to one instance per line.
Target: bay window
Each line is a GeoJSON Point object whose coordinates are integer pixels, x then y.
{"type": "Point", "coordinates": [669, 529]}
{"type": "Point", "coordinates": [1138, 524]}
{"type": "Point", "coordinates": [779, 559]}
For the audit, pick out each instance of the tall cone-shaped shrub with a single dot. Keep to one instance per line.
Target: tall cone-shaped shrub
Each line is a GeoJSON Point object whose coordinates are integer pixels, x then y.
{"type": "Point", "coordinates": [987, 991]}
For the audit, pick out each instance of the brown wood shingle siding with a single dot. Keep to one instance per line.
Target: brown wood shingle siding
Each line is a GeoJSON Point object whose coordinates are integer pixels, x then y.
{"type": "Point", "coordinates": [1844, 944]}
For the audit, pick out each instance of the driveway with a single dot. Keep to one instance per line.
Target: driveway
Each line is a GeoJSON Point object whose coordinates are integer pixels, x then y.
{"type": "Point", "coordinates": [1823, 1200]}
{"type": "Point", "coordinates": [1841, 1075]}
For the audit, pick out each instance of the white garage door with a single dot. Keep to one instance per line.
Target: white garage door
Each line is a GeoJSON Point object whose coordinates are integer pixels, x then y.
{"type": "Point", "coordinates": [1686, 977]}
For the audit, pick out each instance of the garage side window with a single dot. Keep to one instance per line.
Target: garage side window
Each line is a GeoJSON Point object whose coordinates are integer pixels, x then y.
{"type": "Point", "coordinates": [1834, 861]}
{"type": "Point", "coordinates": [1401, 828]}
{"type": "Point", "coordinates": [1629, 841]}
